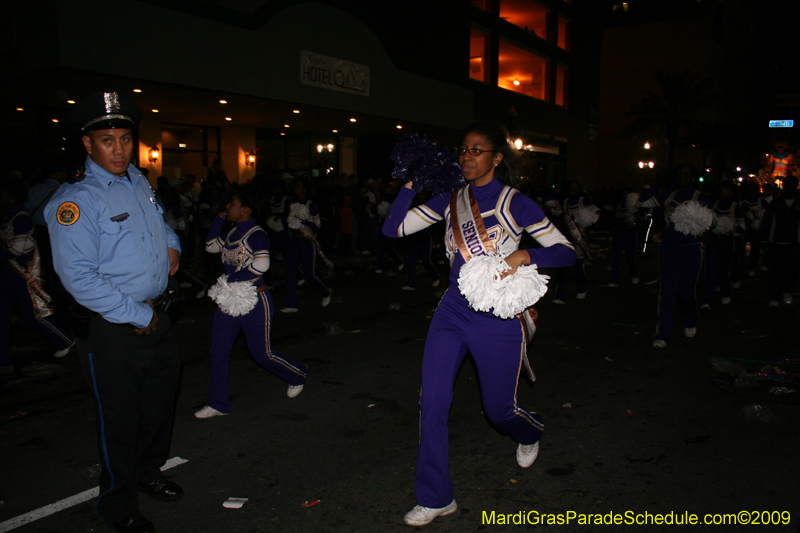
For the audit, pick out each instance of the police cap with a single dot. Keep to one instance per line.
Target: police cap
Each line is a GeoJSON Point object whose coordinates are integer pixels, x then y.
{"type": "Point", "coordinates": [103, 111]}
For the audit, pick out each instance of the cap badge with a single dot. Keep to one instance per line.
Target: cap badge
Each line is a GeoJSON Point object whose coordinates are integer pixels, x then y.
{"type": "Point", "coordinates": [112, 102]}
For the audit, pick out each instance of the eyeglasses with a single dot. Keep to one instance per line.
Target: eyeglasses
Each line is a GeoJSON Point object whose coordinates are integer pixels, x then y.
{"type": "Point", "coordinates": [472, 151]}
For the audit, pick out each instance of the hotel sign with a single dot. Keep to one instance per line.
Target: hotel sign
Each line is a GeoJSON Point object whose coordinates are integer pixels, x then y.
{"type": "Point", "coordinates": [334, 74]}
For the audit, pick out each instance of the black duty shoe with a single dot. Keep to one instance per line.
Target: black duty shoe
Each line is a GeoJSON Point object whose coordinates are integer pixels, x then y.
{"type": "Point", "coordinates": [135, 523]}
{"type": "Point", "coordinates": [162, 489]}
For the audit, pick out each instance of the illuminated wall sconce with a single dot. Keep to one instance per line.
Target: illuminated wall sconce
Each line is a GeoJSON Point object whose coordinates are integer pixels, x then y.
{"type": "Point", "coordinates": [646, 146]}
{"type": "Point", "coordinates": [251, 158]}
{"type": "Point", "coordinates": [155, 153]}
{"type": "Point", "coordinates": [651, 164]}
{"type": "Point", "coordinates": [518, 143]}
{"type": "Point", "coordinates": [330, 147]}
{"type": "Point", "coordinates": [320, 148]}
{"type": "Point", "coordinates": [641, 164]}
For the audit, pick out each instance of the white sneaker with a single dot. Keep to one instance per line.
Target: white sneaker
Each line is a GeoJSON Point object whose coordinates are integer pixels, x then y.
{"type": "Point", "coordinates": [294, 390]}
{"type": "Point", "coordinates": [407, 288]}
{"type": "Point", "coordinates": [527, 453]}
{"type": "Point", "coordinates": [580, 295]}
{"type": "Point", "coordinates": [690, 332]}
{"type": "Point", "coordinates": [773, 303]}
{"type": "Point", "coordinates": [422, 516]}
{"type": "Point", "coordinates": [65, 351]}
{"type": "Point", "coordinates": [726, 300]}
{"type": "Point", "coordinates": [400, 267]}
{"type": "Point", "coordinates": [435, 283]}
{"type": "Point", "coordinates": [751, 273]}
{"type": "Point", "coordinates": [289, 310]}
{"type": "Point", "coordinates": [327, 300]}
{"type": "Point", "coordinates": [613, 285]}
{"type": "Point", "coordinates": [658, 343]}
{"type": "Point", "coordinates": [787, 298]}
{"type": "Point", "coordinates": [208, 412]}
{"type": "Point", "coordinates": [379, 271]}
{"type": "Point", "coordinates": [300, 282]}
{"type": "Point", "coordinates": [736, 285]}
{"type": "Point", "coordinates": [635, 281]}
{"type": "Point", "coordinates": [184, 285]}
{"type": "Point", "coordinates": [705, 307]}
{"type": "Point", "coordinates": [559, 301]}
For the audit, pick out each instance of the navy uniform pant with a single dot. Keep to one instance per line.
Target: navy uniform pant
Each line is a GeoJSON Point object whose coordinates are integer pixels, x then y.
{"type": "Point", "coordinates": [719, 261]}
{"type": "Point", "coordinates": [678, 268]}
{"type": "Point", "coordinates": [623, 242]}
{"type": "Point", "coordinates": [420, 248]}
{"type": "Point", "coordinates": [783, 262]}
{"type": "Point", "coordinates": [497, 346]}
{"type": "Point", "coordinates": [257, 326]}
{"type": "Point", "coordinates": [134, 379]}
{"type": "Point", "coordinates": [581, 280]}
{"type": "Point", "coordinates": [301, 250]}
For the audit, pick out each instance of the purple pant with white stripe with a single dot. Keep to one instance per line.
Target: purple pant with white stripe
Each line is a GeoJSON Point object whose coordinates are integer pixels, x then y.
{"type": "Point", "coordinates": [257, 326]}
{"type": "Point", "coordinates": [497, 346]}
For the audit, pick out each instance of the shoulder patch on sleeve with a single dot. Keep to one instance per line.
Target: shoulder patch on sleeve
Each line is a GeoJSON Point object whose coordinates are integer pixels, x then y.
{"type": "Point", "coordinates": [68, 213]}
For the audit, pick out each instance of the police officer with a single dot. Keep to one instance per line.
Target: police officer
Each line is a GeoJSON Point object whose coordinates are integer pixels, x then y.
{"type": "Point", "coordinates": [114, 254]}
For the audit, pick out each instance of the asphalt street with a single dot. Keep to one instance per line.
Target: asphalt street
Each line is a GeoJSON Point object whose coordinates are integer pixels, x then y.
{"type": "Point", "coordinates": [631, 431]}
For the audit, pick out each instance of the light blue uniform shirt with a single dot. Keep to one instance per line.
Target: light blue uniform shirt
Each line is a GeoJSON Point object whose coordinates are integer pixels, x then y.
{"type": "Point", "coordinates": [111, 266]}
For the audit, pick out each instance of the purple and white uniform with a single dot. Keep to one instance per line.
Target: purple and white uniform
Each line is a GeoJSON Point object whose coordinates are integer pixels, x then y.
{"type": "Point", "coordinates": [245, 256]}
{"type": "Point", "coordinates": [497, 346]}
{"type": "Point", "coordinates": [301, 250]}
{"type": "Point", "coordinates": [679, 260]}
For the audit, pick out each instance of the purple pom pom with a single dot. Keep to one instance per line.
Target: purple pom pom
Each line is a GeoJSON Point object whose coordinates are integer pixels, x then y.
{"type": "Point", "coordinates": [427, 164]}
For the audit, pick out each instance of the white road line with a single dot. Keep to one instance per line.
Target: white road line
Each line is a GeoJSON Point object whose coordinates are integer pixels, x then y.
{"type": "Point", "coordinates": [66, 503]}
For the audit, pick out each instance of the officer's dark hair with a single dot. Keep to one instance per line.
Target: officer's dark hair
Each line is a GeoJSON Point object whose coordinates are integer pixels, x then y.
{"type": "Point", "coordinates": [252, 195]}
{"type": "Point", "coordinates": [497, 135]}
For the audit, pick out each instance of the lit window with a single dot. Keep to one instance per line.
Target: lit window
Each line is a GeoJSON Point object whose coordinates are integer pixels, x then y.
{"type": "Point", "coordinates": [527, 14]}
{"type": "Point", "coordinates": [529, 69]}
{"type": "Point", "coordinates": [562, 85]}
{"type": "Point", "coordinates": [479, 55]}
{"type": "Point", "coordinates": [563, 33]}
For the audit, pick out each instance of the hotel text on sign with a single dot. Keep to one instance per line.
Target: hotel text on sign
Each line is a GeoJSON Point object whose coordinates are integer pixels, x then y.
{"type": "Point", "coordinates": [335, 74]}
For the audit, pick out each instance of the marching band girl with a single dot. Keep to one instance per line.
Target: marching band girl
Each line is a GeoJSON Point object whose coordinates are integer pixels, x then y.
{"type": "Point", "coordinates": [244, 302]}
{"type": "Point", "coordinates": [302, 246]}
{"type": "Point", "coordinates": [680, 255]}
{"type": "Point", "coordinates": [484, 216]}
{"type": "Point", "coordinates": [721, 245]}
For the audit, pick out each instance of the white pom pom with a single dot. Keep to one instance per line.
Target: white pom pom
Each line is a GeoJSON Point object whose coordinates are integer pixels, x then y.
{"type": "Point", "coordinates": [691, 218]}
{"type": "Point", "coordinates": [294, 222]}
{"type": "Point", "coordinates": [275, 224]}
{"type": "Point", "coordinates": [234, 299]}
{"type": "Point", "coordinates": [586, 216]}
{"type": "Point", "coordinates": [383, 208]}
{"type": "Point", "coordinates": [724, 225]}
{"type": "Point", "coordinates": [631, 202]}
{"type": "Point", "coordinates": [479, 281]}
{"type": "Point", "coordinates": [299, 211]}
